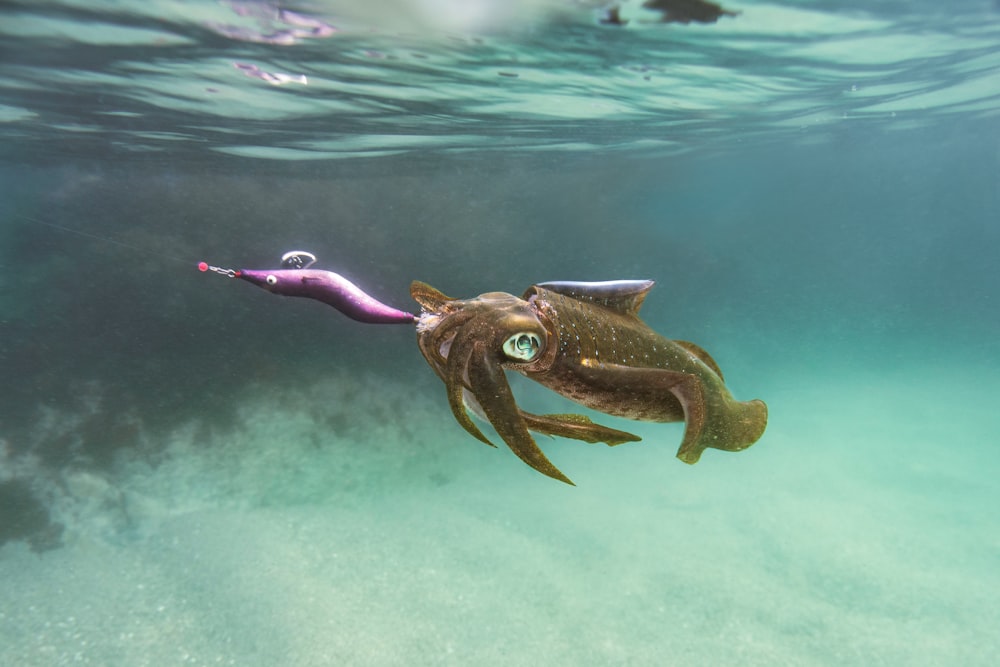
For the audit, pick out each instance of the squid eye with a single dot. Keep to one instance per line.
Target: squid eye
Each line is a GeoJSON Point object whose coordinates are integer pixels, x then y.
{"type": "Point", "coordinates": [272, 280]}
{"type": "Point", "coordinates": [522, 346]}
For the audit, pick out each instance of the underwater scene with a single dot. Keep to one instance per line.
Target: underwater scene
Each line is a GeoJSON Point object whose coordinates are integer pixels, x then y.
{"type": "Point", "coordinates": [482, 332]}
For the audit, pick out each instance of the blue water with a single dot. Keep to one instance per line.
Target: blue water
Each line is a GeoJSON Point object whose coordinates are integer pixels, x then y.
{"type": "Point", "coordinates": [193, 471]}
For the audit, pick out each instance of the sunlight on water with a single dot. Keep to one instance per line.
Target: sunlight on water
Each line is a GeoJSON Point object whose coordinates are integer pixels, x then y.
{"type": "Point", "coordinates": [215, 77]}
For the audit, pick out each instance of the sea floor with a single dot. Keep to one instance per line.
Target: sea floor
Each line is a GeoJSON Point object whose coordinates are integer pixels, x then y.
{"type": "Point", "coordinates": [364, 527]}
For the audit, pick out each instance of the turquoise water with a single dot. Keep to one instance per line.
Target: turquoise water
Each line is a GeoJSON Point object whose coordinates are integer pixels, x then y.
{"type": "Point", "coordinates": [193, 471]}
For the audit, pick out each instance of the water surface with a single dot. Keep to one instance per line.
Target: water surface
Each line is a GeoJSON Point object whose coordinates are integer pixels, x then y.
{"type": "Point", "coordinates": [193, 471]}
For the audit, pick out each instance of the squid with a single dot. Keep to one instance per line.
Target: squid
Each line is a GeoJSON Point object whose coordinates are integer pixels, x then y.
{"type": "Point", "coordinates": [583, 340]}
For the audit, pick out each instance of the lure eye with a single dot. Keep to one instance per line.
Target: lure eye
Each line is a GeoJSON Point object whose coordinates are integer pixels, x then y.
{"type": "Point", "coordinates": [522, 346]}
{"type": "Point", "coordinates": [271, 280]}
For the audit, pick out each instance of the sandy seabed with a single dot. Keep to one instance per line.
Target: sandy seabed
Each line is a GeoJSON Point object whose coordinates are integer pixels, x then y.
{"type": "Point", "coordinates": [866, 535]}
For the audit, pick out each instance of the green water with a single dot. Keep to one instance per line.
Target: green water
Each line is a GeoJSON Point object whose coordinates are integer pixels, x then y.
{"type": "Point", "coordinates": [193, 471]}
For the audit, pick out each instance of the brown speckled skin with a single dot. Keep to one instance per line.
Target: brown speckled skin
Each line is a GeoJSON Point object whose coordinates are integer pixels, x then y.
{"type": "Point", "coordinates": [596, 352]}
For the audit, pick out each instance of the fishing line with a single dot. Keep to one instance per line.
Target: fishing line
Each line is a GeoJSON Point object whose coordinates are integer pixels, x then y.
{"type": "Point", "coordinates": [105, 239]}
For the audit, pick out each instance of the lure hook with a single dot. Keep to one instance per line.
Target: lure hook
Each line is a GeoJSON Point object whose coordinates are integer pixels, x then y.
{"type": "Point", "coordinates": [228, 273]}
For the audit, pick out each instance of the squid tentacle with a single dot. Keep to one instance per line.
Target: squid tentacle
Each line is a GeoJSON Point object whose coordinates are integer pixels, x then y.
{"type": "Point", "coordinates": [492, 391]}
{"type": "Point", "coordinates": [462, 350]}
{"type": "Point", "coordinates": [430, 345]}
